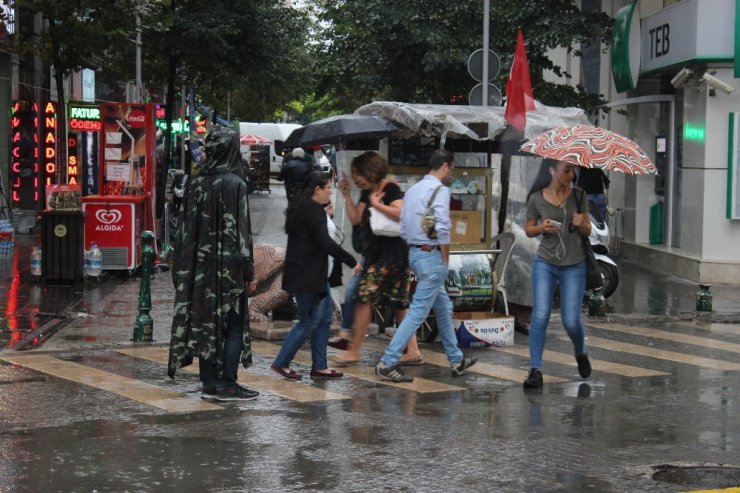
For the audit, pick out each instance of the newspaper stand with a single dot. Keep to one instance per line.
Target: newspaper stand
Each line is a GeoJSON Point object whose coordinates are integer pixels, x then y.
{"type": "Point", "coordinates": [115, 218]}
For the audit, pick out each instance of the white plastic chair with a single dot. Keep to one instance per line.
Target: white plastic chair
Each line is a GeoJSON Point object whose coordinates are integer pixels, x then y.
{"type": "Point", "coordinates": [506, 241]}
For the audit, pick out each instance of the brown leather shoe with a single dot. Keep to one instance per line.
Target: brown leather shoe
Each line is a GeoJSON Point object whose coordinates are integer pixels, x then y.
{"type": "Point", "coordinates": [290, 374]}
{"type": "Point", "coordinates": [339, 343]}
{"type": "Point", "coordinates": [328, 374]}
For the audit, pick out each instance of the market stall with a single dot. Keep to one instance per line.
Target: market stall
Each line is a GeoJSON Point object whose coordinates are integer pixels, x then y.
{"type": "Point", "coordinates": [123, 208]}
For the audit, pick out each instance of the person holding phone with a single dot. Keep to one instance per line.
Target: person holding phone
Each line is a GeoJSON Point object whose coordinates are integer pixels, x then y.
{"type": "Point", "coordinates": [552, 212]}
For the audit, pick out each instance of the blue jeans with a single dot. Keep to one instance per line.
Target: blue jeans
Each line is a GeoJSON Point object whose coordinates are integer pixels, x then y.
{"type": "Point", "coordinates": [311, 322]}
{"type": "Point", "coordinates": [233, 337]}
{"type": "Point", "coordinates": [430, 292]}
{"type": "Point", "coordinates": [348, 307]}
{"type": "Point", "coordinates": [572, 279]}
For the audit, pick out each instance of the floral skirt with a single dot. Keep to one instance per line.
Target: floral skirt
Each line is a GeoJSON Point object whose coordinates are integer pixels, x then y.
{"type": "Point", "coordinates": [385, 282]}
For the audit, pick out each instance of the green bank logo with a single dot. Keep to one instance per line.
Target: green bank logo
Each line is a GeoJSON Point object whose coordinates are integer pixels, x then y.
{"type": "Point", "coordinates": [626, 41]}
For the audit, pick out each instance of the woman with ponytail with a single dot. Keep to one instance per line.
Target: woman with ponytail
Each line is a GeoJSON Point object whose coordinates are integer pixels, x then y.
{"type": "Point", "coordinates": [305, 275]}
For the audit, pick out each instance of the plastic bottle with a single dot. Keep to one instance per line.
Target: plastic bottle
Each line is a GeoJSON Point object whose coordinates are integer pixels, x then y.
{"type": "Point", "coordinates": [36, 261]}
{"type": "Point", "coordinates": [95, 266]}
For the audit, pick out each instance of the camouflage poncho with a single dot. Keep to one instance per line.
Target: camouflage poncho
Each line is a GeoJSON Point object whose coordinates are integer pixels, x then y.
{"type": "Point", "coordinates": [213, 256]}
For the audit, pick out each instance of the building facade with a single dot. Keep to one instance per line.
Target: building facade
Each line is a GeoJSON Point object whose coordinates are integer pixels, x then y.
{"type": "Point", "coordinates": [670, 77]}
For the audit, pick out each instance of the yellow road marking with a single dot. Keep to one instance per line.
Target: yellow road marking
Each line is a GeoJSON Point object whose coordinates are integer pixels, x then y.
{"type": "Point", "coordinates": [297, 391]}
{"type": "Point", "coordinates": [500, 372]}
{"type": "Point", "coordinates": [570, 360]}
{"type": "Point", "coordinates": [152, 395]}
{"type": "Point", "coordinates": [420, 385]}
{"type": "Point", "coordinates": [734, 489]}
{"type": "Point", "coordinates": [688, 359]}
{"type": "Point", "coordinates": [671, 336]}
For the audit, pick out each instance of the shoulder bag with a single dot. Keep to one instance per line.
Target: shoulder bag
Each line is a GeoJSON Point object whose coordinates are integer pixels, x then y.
{"type": "Point", "coordinates": [382, 225]}
{"type": "Point", "coordinates": [593, 271]}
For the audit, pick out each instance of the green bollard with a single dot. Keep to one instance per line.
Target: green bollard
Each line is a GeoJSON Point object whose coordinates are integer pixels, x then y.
{"type": "Point", "coordinates": [596, 305]}
{"type": "Point", "coordinates": [144, 325]}
{"type": "Point", "coordinates": [704, 299]}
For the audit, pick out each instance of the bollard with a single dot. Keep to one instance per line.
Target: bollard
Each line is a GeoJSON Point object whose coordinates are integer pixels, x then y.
{"type": "Point", "coordinates": [144, 325]}
{"type": "Point", "coordinates": [596, 304]}
{"type": "Point", "coordinates": [704, 299]}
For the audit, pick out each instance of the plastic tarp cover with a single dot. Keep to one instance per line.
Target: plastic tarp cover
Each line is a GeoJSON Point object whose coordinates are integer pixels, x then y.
{"type": "Point", "coordinates": [439, 120]}
{"type": "Point", "coordinates": [519, 271]}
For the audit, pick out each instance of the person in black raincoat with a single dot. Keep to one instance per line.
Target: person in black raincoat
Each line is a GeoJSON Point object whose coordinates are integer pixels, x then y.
{"type": "Point", "coordinates": [213, 272]}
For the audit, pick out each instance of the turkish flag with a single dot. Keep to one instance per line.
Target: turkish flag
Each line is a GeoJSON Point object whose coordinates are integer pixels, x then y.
{"type": "Point", "coordinates": [519, 98]}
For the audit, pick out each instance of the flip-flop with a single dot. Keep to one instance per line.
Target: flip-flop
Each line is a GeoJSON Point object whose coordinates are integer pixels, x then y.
{"type": "Point", "coordinates": [340, 361]}
{"type": "Point", "coordinates": [418, 361]}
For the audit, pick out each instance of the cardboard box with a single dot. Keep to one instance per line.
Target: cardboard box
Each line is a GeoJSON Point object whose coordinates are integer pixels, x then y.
{"type": "Point", "coordinates": [483, 329]}
{"type": "Point", "coordinates": [466, 227]}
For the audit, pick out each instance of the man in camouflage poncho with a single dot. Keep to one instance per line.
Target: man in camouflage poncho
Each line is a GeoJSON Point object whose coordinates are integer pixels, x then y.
{"type": "Point", "coordinates": [213, 272]}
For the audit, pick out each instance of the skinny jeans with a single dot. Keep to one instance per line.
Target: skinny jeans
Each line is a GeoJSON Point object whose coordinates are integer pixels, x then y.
{"type": "Point", "coordinates": [572, 279]}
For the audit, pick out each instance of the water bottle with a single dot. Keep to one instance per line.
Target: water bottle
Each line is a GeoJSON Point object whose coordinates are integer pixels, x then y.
{"type": "Point", "coordinates": [36, 261]}
{"type": "Point", "coordinates": [96, 261]}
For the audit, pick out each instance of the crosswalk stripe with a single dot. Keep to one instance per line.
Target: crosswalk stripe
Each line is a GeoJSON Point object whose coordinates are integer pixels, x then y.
{"type": "Point", "coordinates": [501, 372]}
{"type": "Point", "coordinates": [420, 385]}
{"type": "Point", "coordinates": [598, 365]}
{"type": "Point", "coordinates": [297, 391]}
{"type": "Point", "coordinates": [671, 336]}
{"type": "Point", "coordinates": [713, 327]}
{"type": "Point", "coordinates": [676, 357]}
{"type": "Point", "coordinates": [152, 395]}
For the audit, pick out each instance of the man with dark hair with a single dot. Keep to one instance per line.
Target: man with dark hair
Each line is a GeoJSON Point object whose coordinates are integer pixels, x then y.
{"type": "Point", "coordinates": [294, 173]}
{"type": "Point", "coordinates": [429, 253]}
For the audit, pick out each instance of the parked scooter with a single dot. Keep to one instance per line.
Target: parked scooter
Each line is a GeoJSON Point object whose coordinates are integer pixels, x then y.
{"type": "Point", "coordinates": [599, 240]}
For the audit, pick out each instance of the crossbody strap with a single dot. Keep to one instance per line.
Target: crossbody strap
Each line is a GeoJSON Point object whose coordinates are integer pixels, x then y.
{"type": "Point", "coordinates": [431, 199]}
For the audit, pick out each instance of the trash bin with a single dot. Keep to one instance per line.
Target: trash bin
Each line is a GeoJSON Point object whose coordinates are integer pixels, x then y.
{"type": "Point", "coordinates": [656, 223]}
{"type": "Point", "coordinates": [62, 253]}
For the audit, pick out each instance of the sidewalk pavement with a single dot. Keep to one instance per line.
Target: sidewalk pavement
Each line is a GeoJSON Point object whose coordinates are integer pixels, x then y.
{"type": "Point", "coordinates": [102, 314]}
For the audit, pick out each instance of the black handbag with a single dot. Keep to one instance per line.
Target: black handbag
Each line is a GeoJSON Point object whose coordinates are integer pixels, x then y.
{"type": "Point", "coordinates": [594, 280]}
{"type": "Point", "coordinates": [360, 237]}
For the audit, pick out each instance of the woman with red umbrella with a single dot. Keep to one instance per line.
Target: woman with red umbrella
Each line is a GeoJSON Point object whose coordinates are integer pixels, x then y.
{"type": "Point", "coordinates": [553, 207]}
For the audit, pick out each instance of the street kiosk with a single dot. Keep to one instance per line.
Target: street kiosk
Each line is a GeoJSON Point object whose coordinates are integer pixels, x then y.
{"type": "Point", "coordinates": [124, 207]}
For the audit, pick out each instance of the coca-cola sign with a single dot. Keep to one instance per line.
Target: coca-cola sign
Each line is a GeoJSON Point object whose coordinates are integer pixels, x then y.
{"type": "Point", "coordinates": [136, 119]}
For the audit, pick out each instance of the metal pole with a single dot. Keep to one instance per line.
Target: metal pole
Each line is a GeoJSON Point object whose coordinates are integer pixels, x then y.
{"type": "Point", "coordinates": [137, 96]}
{"type": "Point", "coordinates": [228, 105]}
{"type": "Point", "coordinates": [484, 87]}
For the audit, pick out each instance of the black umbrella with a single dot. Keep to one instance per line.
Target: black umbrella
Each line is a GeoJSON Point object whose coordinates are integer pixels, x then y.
{"type": "Point", "coordinates": [341, 128]}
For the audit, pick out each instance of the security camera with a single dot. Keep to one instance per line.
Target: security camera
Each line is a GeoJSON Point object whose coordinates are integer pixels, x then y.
{"type": "Point", "coordinates": [680, 79]}
{"type": "Point", "coordinates": [717, 83]}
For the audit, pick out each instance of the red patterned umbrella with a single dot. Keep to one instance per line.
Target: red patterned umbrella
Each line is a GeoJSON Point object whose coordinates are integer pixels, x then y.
{"type": "Point", "coordinates": [591, 147]}
{"type": "Point", "coordinates": [253, 140]}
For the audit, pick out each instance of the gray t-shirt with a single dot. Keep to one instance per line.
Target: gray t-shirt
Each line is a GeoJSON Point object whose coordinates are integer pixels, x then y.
{"type": "Point", "coordinates": [551, 250]}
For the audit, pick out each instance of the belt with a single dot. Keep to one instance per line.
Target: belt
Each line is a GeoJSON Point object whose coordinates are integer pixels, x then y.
{"type": "Point", "coordinates": [426, 248]}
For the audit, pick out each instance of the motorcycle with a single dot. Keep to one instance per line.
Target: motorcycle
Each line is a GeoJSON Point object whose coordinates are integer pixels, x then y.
{"type": "Point", "coordinates": [599, 240]}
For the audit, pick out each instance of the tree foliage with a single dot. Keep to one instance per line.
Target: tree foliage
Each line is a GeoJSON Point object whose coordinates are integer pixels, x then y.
{"type": "Point", "coordinates": [417, 50]}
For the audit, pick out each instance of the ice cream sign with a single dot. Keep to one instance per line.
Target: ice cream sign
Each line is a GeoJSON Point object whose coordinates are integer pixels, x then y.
{"type": "Point", "coordinates": [108, 220]}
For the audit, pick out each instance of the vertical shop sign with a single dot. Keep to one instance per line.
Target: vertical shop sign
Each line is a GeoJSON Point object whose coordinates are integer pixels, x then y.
{"type": "Point", "coordinates": [50, 143]}
{"type": "Point", "coordinates": [73, 170]}
{"type": "Point", "coordinates": [24, 150]}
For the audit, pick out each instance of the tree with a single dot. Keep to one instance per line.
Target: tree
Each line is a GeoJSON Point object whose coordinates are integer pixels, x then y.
{"type": "Point", "coordinates": [417, 50]}
{"type": "Point", "coordinates": [74, 35]}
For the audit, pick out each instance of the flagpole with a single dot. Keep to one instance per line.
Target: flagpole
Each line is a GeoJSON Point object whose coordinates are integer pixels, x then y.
{"type": "Point", "coordinates": [484, 82]}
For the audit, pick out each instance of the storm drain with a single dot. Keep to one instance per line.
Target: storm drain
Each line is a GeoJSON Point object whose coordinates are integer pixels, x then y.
{"type": "Point", "coordinates": [715, 476]}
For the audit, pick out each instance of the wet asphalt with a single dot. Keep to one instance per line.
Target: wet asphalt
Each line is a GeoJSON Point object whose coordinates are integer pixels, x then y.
{"type": "Point", "coordinates": [664, 391]}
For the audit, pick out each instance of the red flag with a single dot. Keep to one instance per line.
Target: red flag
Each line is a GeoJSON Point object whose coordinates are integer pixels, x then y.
{"type": "Point", "coordinates": [519, 98]}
